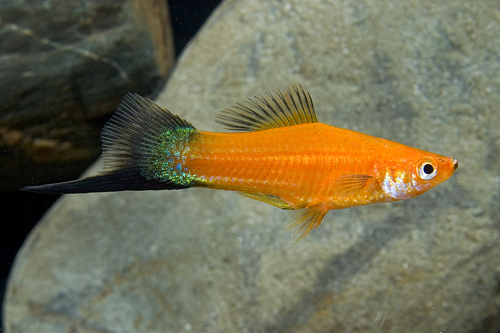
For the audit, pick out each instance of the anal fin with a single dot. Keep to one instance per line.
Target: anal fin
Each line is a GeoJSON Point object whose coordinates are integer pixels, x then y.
{"type": "Point", "coordinates": [304, 221]}
{"type": "Point", "coordinates": [267, 198]}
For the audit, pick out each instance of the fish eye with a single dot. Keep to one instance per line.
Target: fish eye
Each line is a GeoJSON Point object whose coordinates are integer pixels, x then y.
{"type": "Point", "coordinates": [427, 170]}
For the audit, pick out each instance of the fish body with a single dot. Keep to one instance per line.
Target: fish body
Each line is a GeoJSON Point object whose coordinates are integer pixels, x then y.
{"type": "Point", "coordinates": [304, 165]}
{"type": "Point", "coordinates": [283, 157]}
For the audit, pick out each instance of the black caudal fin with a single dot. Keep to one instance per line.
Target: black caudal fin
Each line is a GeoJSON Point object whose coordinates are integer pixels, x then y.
{"type": "Point", "coordinates": [126, 179]}
{"type": "Point", "coordinates": [141, 146]}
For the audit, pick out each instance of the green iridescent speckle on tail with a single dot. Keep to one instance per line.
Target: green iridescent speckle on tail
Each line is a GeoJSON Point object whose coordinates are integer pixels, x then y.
{"type": "Point", "coordinates": [169, 155]}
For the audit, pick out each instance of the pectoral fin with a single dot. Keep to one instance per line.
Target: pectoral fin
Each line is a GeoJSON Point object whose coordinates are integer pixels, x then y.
{"type": "Point", "coordinates": [304, 221]}
{"type": "Point", "coordinates": [349, 184]}
{"type": "Point", "coordinates": [267, 198]}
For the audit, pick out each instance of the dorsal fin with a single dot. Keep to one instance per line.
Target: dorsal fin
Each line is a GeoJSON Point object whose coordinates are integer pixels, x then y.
{"type": "Point", "coordinates": [273, 109]}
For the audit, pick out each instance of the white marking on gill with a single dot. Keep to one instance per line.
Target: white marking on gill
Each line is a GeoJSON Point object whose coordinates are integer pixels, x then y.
{"type": "Point", "coordinates": [415, 183]}
{"type": "Point", "coordinates": [395, 186]}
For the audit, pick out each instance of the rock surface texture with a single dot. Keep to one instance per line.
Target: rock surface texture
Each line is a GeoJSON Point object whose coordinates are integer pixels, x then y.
{"type": "Point", "coordinates": [424, 73]}
{"type": "Point", "coordinates": [65, 65]}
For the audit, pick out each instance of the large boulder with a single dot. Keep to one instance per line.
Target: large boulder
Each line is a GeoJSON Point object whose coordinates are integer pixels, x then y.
{"type": "Point", "coordinates": [65, 64]}
{"type": "Point", "coordinates": [423, 73]}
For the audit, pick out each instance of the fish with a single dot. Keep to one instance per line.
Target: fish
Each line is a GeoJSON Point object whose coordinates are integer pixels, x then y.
{"type": "Point", "coordinates": [277, 153]}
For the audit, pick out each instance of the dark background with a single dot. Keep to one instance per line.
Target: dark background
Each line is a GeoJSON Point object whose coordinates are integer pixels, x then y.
{"type": "Point", "coordinates": [20, 211]}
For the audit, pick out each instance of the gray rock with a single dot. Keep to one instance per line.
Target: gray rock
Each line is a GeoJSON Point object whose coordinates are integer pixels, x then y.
{"type": "Point", "coordinates": [422, 73]}
{"type": "Point", "coordinates": [64, 66]}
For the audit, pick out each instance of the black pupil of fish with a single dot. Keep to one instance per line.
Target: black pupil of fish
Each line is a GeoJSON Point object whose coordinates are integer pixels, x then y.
{"type": "Point", "coordinates": [428, 169]}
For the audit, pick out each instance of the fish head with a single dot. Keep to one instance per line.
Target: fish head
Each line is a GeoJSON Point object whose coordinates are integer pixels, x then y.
{"type": "Point", "coordinates": [417, 174]}
{"type": "Point", "coordinates": [431, 170]}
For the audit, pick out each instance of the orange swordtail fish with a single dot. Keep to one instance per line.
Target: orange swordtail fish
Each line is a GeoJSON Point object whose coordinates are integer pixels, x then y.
{"type": "Point", "coordinates": [282, 156]}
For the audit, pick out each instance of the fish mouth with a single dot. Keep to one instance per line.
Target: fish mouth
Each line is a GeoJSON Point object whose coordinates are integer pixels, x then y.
{"type": "Point", "coordinates": [455, 164]}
